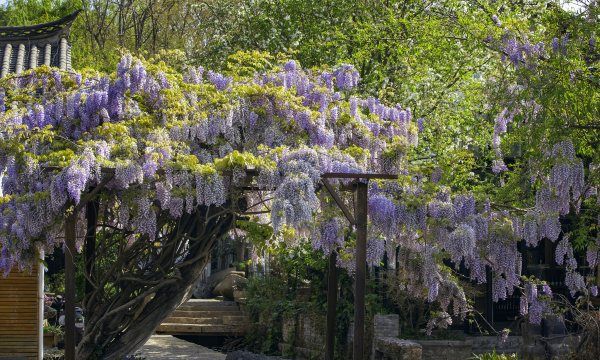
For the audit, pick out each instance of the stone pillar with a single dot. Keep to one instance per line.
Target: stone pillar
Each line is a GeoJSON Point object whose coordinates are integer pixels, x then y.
{"type": "Point", "coordinates": [63, 53]}
{"type": "Point", "coordinates": [385, 326]}
{"type": "Point", "coordinates": [47, 54]}
{"type": "Point", "coordinates": [6, 60]}
{"type": "Point", "coordinates": [33, 59]}
{"type": "Point", "coordinates": [389, 348]}
{"type": "Point", "coordinates": [20, 59]}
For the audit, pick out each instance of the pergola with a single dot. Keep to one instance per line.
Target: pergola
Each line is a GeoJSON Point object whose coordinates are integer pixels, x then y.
{"type": "Point", "coordinates": [357, 218]}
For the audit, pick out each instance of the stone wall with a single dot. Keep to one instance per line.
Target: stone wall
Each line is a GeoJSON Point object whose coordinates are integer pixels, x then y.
{"type": "Point", "coordinates": [445, 349]}
{"type": "Point", "coordinates": [391, 348]}
{"type": "Point", "coordinates": [304, 339]}
{"type": "Point", "coordinates": [487, 344]}
{"type": "Point", "coordinates": [303, 335]}
{"type": "Point", "coordinates": [553, 348]}
{"type": "Point", "coordinates": [464, 349]}
{"type": "Point", "coordinates": [385, 326]}
{"type": "Point", "coordinates": [394, 349]}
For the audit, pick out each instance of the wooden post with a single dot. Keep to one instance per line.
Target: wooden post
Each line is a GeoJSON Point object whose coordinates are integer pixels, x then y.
{"type": "Point", "coordinates": [489, 303]}
{"type": "Point", "coordinates": [332, 285]}
{"type": "Point", "coordinates": [360, 216]}
{"type": "Point", "coordinates": [91, 215]}
{"type": "Point", "coordinates": [70, 234]}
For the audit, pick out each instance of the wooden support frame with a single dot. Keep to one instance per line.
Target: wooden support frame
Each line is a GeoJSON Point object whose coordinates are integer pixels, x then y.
{"type": "Point", "coordinates": [360, 190]}
{"type": "Point", "coordinates": [332, 294]}
{"type": "Point", "coordinates": [338, 200]}
{"type": "Point", "coordinates": [70, 234]}
{"type": "Point", "coordinates": [91, 216]}
{"type": "Point", "coordinates": [360, 214]}
{"type": "Point", "coordinates": [90, 203]}
{"type": "Point", "coordinates": [359, 220]}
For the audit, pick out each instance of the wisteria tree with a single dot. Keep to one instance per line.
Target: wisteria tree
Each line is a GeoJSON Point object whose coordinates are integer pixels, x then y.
{"type": "Point", "coordinates": [181, 154]}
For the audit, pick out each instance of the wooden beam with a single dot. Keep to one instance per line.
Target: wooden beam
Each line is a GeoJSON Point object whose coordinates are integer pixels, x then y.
{"type": "Point", "coordinates": [338, 200]}
{"type": "Point", "coordinates": [91, 216]}
{"type": "Point", "coordinates": [70, 234]}
{"type": "Point", "coordinates": [367, 176]}
{"type": "Point", "coordinates": [332, 284]}
{"type": "Point", "coordinates": [360, 214]}
{"type": "Point", "coordinates": [92, 193]}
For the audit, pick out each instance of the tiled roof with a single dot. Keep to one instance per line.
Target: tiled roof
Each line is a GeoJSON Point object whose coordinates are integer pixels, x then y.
{"type": "Point", "coordinates": [26, 47]}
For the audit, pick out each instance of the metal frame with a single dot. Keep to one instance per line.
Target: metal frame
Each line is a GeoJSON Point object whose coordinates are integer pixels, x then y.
{"type": "Point", "coordinates": [359, 189]}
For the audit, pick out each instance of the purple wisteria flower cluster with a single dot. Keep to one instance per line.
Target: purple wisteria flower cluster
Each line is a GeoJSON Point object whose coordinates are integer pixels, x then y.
{"type": "Point", "coordinates": [520, 53]}
{"type": "Point", "coordinates": [169, 142]}
{"type": "Point", "coordinates": [535, 302]}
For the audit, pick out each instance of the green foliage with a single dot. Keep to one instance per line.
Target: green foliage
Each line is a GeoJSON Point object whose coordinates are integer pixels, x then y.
{"type": "Point", "coordinates": [247, 63]}
{"type": "Point", "coordinates": [53, 329]}
{"type": "Point", "coordinates": [257, 233]}
{"type": "Point", "coordinates": [495, 356]}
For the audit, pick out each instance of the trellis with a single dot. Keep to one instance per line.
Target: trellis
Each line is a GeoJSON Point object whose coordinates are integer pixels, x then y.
{"type": "Point", "coordinates": [358, 218]}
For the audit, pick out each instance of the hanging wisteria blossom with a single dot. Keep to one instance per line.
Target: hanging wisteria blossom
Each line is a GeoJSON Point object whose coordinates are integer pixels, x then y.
{"type": "Point", "coordinates": [164, 144]}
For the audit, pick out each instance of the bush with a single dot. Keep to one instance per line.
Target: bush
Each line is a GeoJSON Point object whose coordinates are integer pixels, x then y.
{"type": "Point", "coordinates": [495, 356]}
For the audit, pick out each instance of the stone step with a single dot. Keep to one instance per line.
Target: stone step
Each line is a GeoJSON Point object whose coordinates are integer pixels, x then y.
{"type": "Point", "coordinates": [223, 320]}
{"type": "Point", "coordinates": [206, 313]}
{"type": "Point", "coordinates": [208, 308]}
{"type": "Point", "coordinates": [194, 320]}
{"type": "Point", "coordinates": [216, 330]}
{"type": "Point", "coordinates": [195, 304]}
{"type": "Point", "coordinates": [211, 302]}
{"type": "Point", "coordinates": [235, 320]}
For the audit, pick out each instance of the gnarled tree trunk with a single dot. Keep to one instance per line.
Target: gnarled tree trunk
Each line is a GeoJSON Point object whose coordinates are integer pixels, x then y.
{"type": "Point", "coordinates": [137, 283]}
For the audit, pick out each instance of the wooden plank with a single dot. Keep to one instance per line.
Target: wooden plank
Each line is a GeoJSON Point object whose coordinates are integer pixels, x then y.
{"type": "Point", "coordinates": [15, 354]}
{"type": "Point", "coordinates": [20, 342]}
{"type": "Point", "coordinates": [18, 283]}
{"type": "Point", "coordinates": [18, 308]}
{"type": "Point", "coordinates": [22, 273]}
{"type": "Point", "coordinates": [359, 176]}
{"type": "Point", "coordinates": [15, 339]}
{"type": "Point", "coordinates": [18, 298]}
{"type": "Point", "coordinates": [18, 321]}
{"type": "Point", "coordinates": [10, 312]}
{"type": "Point", "coordinates": [17, 348]}
{"type": "Point", "coordinates": [13, 274]}
{"type": "Point", "coordinates": [25, 345]}
{"type": "Point", "coordinates": [20, 329]}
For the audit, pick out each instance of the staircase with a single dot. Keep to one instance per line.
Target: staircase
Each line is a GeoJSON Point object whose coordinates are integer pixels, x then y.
{"type": "Point", "coordinates": [206, 317]}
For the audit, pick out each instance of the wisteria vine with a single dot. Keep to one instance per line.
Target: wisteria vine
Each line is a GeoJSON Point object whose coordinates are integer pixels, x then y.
{"type": "Point", "coordinates": [172, 142]}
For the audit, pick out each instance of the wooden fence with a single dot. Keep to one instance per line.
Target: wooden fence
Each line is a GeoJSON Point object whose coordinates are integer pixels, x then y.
{"type": "Point", "coordinates": [21, 314]}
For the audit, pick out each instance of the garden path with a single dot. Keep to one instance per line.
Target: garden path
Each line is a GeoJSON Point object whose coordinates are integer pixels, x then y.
{"type": "Point", "coordinates": [166, 347]}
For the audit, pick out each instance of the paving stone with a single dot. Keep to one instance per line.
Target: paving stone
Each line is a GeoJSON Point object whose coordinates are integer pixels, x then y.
{"type": "Point", "coordinates": [166, 347]}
